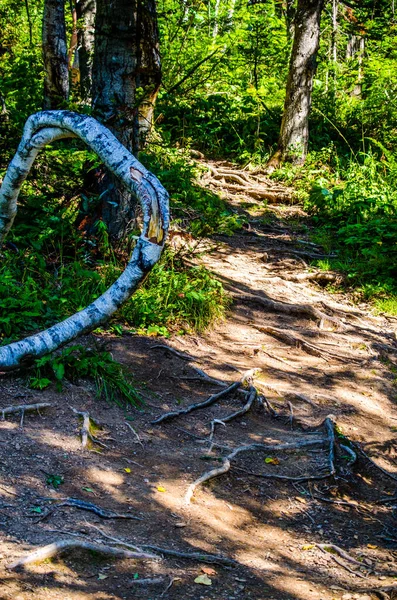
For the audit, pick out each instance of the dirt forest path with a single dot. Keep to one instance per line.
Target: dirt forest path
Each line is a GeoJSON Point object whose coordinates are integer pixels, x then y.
{"type": "Point", "coordinates": [301, 516]}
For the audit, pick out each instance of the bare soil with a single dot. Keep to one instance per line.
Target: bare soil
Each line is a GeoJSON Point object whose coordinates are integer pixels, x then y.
{"type": "Point", "coordinates": [271, 527]}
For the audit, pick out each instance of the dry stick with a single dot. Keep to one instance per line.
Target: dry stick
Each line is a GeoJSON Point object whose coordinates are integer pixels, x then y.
{"type": "Point", "coordinates": [185, 411]}
{"type": "Point", "coordinates": [331, 549]}
{"type": "Point", "coordinates": [85, 430]}
{"type": "Point", "coordinates": [247, 407]}
{"type": "Point", "coordinates": [178, 354]}
{"type": "Point", "coordinates": [61, 546]}
{"type": "Point", "coordinates": [154, 581]}
{"type": "Point", "coordinates": [361, 451]}
{"type": "Point", "coordinates": [22, 408]}
{"type": "Point", "coordinates": [226, 465]}
{"type": "Point", "coordinates": [135, 433]}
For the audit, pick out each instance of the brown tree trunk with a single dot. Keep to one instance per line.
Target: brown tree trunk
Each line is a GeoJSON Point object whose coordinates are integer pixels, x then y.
{"type": "Point", "coordinates": [294, 133]}
{"type": "Point", "coordinates": [86, 10]}
{"type": "Point", "coordinates": [126, 78]}
{"type": "Point", "coordinates": [55, 54]}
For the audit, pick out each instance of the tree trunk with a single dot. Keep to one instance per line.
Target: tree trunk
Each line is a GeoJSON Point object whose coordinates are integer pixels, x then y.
{"type": "Point", "coordinates": [294, 133]}
{"type": "Point", "coordinates": [55, 54]}
{"type": "Point", "coordinates": [44, 128]}
{"type": "Point", "coordinates": [125, 81]}
{"type": "Point", "coordinates": [86, 10]}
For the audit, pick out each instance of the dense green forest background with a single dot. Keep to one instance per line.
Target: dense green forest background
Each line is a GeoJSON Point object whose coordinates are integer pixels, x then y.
{"type": "Point", "coordinates": [225, 66]}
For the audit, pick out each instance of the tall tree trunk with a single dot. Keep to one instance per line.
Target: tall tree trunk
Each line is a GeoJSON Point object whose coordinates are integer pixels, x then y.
{"type": "Point", "coordinates": [55, 54]}
{"type": "Point", "coordinates": [294, 133]}
{"type": "Point", "coordinates": [356, 47]}
{"type": "Point", "coordinates": [125, 81]}
{"type": "Point", "coordinates": [86, 10]}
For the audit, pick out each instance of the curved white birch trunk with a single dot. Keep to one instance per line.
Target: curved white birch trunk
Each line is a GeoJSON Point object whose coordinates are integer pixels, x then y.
{"type": "Point", "coordinates": [41, 129]}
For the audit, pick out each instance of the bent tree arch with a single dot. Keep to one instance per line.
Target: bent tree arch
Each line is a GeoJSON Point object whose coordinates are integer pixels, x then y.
{"type": "Point", "coordinates": [40, 130]}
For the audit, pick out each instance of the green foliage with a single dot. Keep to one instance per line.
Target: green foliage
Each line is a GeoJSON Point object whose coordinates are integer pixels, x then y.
{"type": "Point", "coordinates": [194, 208]}
{"type": "Point", "coordinates": [113, 382]}
{"type": "Point", "coordinates": [177, 297]}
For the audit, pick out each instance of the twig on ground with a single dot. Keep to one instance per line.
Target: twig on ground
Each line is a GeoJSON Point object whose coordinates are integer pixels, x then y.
{"type": "Point", "coordinates": [148, 581]}
{"type": "Point", "coordinates": [22, 408]}
{"type": "Point", "coordinates": [173, 351]}
{"type": "Point", "coordinates": [185, 411]}
{"type": "Point", "coordinates": [291, 416]}
{"type": "Point", "coordinates": [139, 441]}
{"type": "Point", "coordinates": [62, 546]}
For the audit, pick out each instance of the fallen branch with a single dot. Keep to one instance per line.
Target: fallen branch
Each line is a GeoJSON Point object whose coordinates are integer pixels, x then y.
{"type": "Point", "coordinates": [185, 411]}
{"type": "Point", "coordinates": [22, 408]}
{"type": "Point", "coordinates": [139, 441]}
{"type": "Point", "coordinates": [62, 546]}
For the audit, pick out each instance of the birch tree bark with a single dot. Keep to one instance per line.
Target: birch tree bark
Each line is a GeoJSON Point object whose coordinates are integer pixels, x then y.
{"type": "Point", "coordinates": [294, 133]}
{"type": "Point", "coordinates": [44, 128]}
{"type": "Point", "coordinates": [125, 81]}
{"type": "Point", "coordinates": [55, 54]}
{"type": "Point", "coordinates": [86, 10]}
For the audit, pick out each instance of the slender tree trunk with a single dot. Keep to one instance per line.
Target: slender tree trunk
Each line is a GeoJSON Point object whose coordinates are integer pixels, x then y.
{"type": "Point", "coordinates": [55, 54]}
{"type": "Point", "coordinates": [294, 133]}
{"type": "Point", "coordinates": [356, 47]}
{"type": "Point", "coordinates": [126, 78]}
{"type": "Point", "coordinates": [86, 10]}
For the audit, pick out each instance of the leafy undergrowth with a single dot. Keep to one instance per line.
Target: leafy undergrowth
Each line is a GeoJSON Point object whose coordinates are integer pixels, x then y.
{"type": "Point", "coordinates": [352, 203]}
{"type": "Point", "coordinates": [113, 382]}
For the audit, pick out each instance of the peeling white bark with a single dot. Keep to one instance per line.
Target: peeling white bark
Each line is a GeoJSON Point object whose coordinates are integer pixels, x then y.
{"type": "Point", "coordinates": [44, 128]}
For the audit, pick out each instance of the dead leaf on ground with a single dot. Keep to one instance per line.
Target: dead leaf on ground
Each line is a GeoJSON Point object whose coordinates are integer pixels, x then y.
{"type": "Point", "coordinates": [203, 580]}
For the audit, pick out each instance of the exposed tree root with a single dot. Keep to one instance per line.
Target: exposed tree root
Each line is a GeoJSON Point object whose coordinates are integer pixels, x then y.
{"type": "Point", "coordinates": [306, 310]}
{"type": "Point", "coordinates": [226, 463]}
{"type": "Point", "coordinates": [196, 556]}
{"type": "Point", "coordinates": [315, 276]}
{"type": "Point", "coordinates": [62, 546]}
{"type": "Point", "coordinates": [300, 397]}
{"type": "Point", "coordinates": [91, 507]}
{"type": "Point", "coordinates": [331, 549]}
{"type": "Point", "coordinates": [173, 351]}
{"type": "Point", "coordinates": [246, 183]}
{"type": "Point", "coordinates": [246, 408]}
{"type": "Point", "coordinates": [185, 411]}
{"type": "Point", "coordinates": [22, 408]}
{"type": "Point", "coordinates": [298, 342]}
{"type": "Point", "coordinates": [85, 431]}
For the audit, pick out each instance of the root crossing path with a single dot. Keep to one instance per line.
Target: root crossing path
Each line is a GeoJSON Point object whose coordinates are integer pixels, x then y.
{"type": "Point", "coordinates": [280, 431]}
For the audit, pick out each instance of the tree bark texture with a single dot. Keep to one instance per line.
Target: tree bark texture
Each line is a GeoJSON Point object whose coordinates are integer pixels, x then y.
{"type": "Point", "coordinates": [126, 79]}
{"type": "Point", "coordinates": [44, 128]}
{"type": "Point", "coordinates": [86, 10]}
{"type": "Point", "coordinates": [55, 54]}
{"type": "Point", "coordinates": [294, 133]}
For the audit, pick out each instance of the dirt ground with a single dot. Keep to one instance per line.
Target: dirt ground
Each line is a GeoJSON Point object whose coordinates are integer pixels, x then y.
{"type": "Point", "coordinates": [271, 527]}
